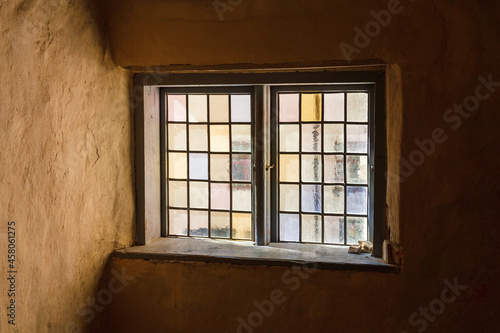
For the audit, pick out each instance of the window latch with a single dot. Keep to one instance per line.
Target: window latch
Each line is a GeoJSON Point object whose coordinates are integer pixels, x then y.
{"type": "Point", "coordinates": [268, 167]}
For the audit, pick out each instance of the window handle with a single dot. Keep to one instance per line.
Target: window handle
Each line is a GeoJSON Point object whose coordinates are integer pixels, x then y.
{"type": "Point", "coordinates": [269, 167]}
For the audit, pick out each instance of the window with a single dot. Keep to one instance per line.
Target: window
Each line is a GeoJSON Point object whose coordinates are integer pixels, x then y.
{"type": "Point", "coordinates": [273, 157]}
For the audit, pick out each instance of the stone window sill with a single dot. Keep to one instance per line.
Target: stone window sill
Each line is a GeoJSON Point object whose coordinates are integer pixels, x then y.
{"type": "Point", "coordinates": [328, 257]}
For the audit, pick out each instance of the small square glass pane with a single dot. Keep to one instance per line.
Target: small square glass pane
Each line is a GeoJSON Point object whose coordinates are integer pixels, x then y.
{"type": "Point", "coordinates": [176, 107]}
{"type": "Point", "coordinates": [311, 168]}
{"type": "Point", "coordinates": [242, 226]}
{"type": "Point", "coordinates": [357, 200]}
{"type": "Point", "coordinates": [334, 107]}
{"type": "Point", "coordinates": [242, 167]}
{"type": "Point", "coordinates": [197, 108]}
{"type": "Point", "coordinates": [220, 196]}
{"type": "Point", "coordinates": [219, 167]}
{"type": "Point", "coordinates": [289, 168]}
{"type": "Point", "coordinates": [198, 223]}
{"type": "Point", "coordinates": [334, 138]}
{"type": "Point", "coordinates": [177, 194]}
{"type": "Point", "coordinates": [311, 138]}
{"type": "Point", "coordinates": [311, 107]}
{"type": "Point", "coordinates": [242, 197]}
{"type": "Point", "coordinates": [289, 138]}
{"type": "Point", "coordinates": [219, 224]}
{"type": "Point", "coordinates": [198, 194]}
{"type": "Point", "coordinates": [357, 229]}
{"type": "Point", "coordinates": [219, 138]}
{"type": "Point", "coordinates": [177, 165]}
{"type": "Point", "coordinates": [198, 138]}
{"type": "Point", "coordinates": [198, 166]}
{"type": "Point", "coordinates": [334, 199]}
{"type": "Point", "coordinates": [334, 168]}
{"type": "Point", "coordinates": [241, 106]}
{"type": "Point", "coordinates": [311, 228]}
{"type": "Point", "coordinates": [219, 108]}
{"type": "Point", "coordinates": [357, 138]}
{"type": "Point", "coordinates": [288, 108]}
{"type": "Point", "coordinates": [334, 229]}
{"type": "Point", "coordinates": [241, 138]}
{"type": "Point", "coordinates": [176, 136]}
{"type": "Point", "coordinates": [357, 107]}
{"type": "Point", "coordinates": [177, 222]}
{"type": "Point", "coordinates": [289, 197]}
{"type": "Point", "coordinates": [289, 227]}
{"type": "Point", "coordinates": [311, 198]}
{"type": "Point", "coordinates": [357, 169]}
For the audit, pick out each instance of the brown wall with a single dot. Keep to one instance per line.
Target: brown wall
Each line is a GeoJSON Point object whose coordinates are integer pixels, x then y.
{"type": "Point", "coordinates": [66, 176]}
{"type": "Point", "coordinates": [64, 100]}
{"type": "Point", "coordinates": [447, 216]}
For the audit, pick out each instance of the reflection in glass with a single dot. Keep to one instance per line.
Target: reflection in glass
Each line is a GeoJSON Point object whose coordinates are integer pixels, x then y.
{"type": "Point", "coordinates": [357, 138]}
{"type": "Point", "coordinates": [357, 169]}
{"type": "Point", "coordinates": [242, 167]}
{"type": "Point", "coordinates": [311, 138]}
{"type": "Point", "coordinates": [241, 138]}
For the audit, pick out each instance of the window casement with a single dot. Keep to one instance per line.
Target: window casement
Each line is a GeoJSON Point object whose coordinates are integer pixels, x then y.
{"type": "Point", "coordinates": [273, 157]}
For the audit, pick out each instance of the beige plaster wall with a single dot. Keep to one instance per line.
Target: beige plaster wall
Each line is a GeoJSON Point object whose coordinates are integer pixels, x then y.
{"type": "Point", "coordinates": [66, 176]}
{"type": "Point", "coordinates": [447, 216]}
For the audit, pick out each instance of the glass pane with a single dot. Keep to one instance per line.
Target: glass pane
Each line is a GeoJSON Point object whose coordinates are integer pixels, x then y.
{"type": "Point", "coordinates": [334, 199]}
{"type": "Point", "coordinates": [197, 108]}
{"type": "Point", "coordinates": [177, 222]}
{"type": "Point", "coordinates": [177, 194]}
{"type": "Point", "coordinates": [311, 228]}
{"type": "Point", "coordinates": [311, 138]}
{"type": "Point", "coordinates": [242, 167]}
{"type": "Point", "coordinates": [198, 137]}
{"type": "Point", "coordinates": [242, 226]}
{"type": "Point", "coordinates": [289, 197]}
{"type": "Point", "coordinates": [240, 108]}
{"type": "Point", "coordinates": [176, 137]}
{"type": "Point", "coordinates": [311, 168]}
{"type": "Point", "coordinates": [357, 138]}
{"type": "Point", "coordinates": [242, 138]}
{"type": "Point", "coordinates": [288, 168]}
{"type": "Point", "coordinates": [289, 138]}
{"type": "Point", "coordinates": [219, 224]}
{"type": "Point", "coordinates": [177, 165]}
{"type": "Point", "coordinates": [357, 200]}
{"type": "Point", "coordinates": [198, 195]}
{"type": "Point", "coordinates": [357, 107]}
{"type": "Point", "coordinates": [219, 196]}
{"type": "Point", "coordinates": [219, 138]}
{"type": "Point", "coordinates": [198, 223]}
{"type": "Point", "coordinates": [289, 227]}
{"type": "Point", "coordinates": [334, 107]}
{"type": "Point", "coordinates": [176, 107]}
{"type": "Point", "coordinates": [219, 167]}
{"type": "Point", "coordinates": [219, 108]}
{"type": "Point", "coordinates": [289, 107]}
{"type": "Point", "coordinates": [334, 168]}
{"type": "Point", "coordinates": [334, 138]}
{"type": "Point", "coordinates": [311, 107]}
{"type": "Point", "coordinates": [334, 229]}
{"type": "Point", "coordinates": [357, 229]}
{"type": "Point", "coordinates": [198, 166]}
{"type": "Point", "coordinates": [357, 169]}
{"type": "Point", "coordinates": [242, 197]}
{"type": "Point", "coordinates": [311, 198]}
